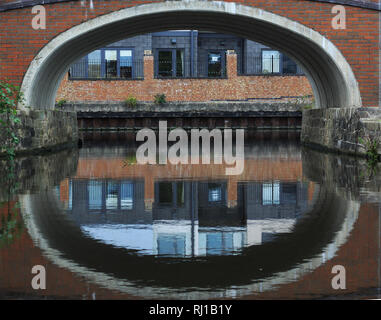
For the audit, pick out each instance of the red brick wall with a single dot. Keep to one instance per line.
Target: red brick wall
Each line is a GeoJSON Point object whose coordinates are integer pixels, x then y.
{"type": "Point", "coordinates": [233, 88]}
{"type": "Point", "coordinates": [19, 43]}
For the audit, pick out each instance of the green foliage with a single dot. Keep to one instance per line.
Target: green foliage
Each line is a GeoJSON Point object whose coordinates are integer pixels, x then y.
{"type": "Point", "coordinates": [130, 160]}
{"type": "Point", "coordinates": [371, 147]}
{"type": "Point", "coordinates": [61, 102]}
{"type": "Point", "coordinates": [11, 226]}
{"type": "Point", "coordinates": [10, 97]}
{"type": "Point", "coordinates": [307, 102]}
{"type": "Point", "coordinates": [131, 101]}
{"type": "Point", "coordinates": [160, 98]}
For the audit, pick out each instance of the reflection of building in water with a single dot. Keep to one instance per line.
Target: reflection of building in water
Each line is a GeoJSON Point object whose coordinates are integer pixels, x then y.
{"type": "Point", "coordinates": [188, 218]}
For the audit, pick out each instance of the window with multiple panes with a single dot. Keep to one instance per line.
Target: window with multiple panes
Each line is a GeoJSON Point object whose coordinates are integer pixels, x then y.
{"type": "Point", "coordinates": [106, 63]}
{"type": "Point", "coordinates": [169, 63]}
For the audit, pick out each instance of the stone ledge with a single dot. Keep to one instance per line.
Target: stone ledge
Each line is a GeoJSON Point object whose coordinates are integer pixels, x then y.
{"type": "Point", "coordinates": [341, 129]}
{"type": "Point", "coordinates": [197, 108]}
{"type": "Point", "coordinates": [44, 130]}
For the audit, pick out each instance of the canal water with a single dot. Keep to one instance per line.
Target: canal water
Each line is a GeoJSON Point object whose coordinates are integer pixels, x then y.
{"type": "Point", "coordinates": [106, 227]}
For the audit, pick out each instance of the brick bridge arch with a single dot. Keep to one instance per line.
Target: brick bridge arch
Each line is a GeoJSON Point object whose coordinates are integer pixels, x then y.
{"type": "Point", "coordinates": [342, 65]}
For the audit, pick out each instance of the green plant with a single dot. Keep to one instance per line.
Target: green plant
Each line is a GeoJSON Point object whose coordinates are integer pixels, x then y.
{"type": "Point", "coordinates": [11, 226]}
{"type": "Point", "coordinates": [10, 97]}
{"type": "Point", "coordinates": [306, 101]}
{"type": "Point", "coordinates": [160, 98]}
{"type": "Point", "coordinates": [131, 101]}
{"type": "Point", "coordinates": [371, 147]}
{"type": "Point", "coordinates": [61, 102]}
{"type": "Point", "coordinates": [130, 160]}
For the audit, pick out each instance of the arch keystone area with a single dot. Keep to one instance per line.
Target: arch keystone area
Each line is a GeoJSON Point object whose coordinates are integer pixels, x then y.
{"type": "Point", "coordinates": [330, 75]}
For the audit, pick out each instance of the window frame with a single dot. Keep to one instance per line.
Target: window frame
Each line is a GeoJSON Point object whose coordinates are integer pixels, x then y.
{"type": "Point", "coordinates": [174, 64]}
{"type": "Point", "coordinates": [103, 63]}
{"type": "Point", "coordinates": [223, 62]}
{"type": "Point", "coordinates": [280, 61]}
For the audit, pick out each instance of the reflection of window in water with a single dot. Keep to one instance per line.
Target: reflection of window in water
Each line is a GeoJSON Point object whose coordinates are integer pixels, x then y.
{"type": "Point", "coordinates": [289, 193]}
{"type": "Point", "coordinates": [219, 242]}
{"type": "Point", "coordinates": [70, 204]}
{"type": "Point", "coordinates": [270, 193]}
{"type": "Point", "coordinates": [126, 195]}
{"type": "Point", "coordinates": [94, 189]}
{"type": "Point", "coordinates": [180, 193]}
{"type": "Point", "coordinates": [171, 245]}
{"type": "Point", "coordinates": [167, 190]}
{"type": "Point", "coordinates": [214, 192]}
{"type": "Point", "coordinates": [112, 196]}
{"type": "Point", "coordinates": [267, 237]}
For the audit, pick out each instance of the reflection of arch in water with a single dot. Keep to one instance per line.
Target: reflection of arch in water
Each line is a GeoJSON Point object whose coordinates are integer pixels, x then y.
{"type": "Point", "coordinates": [317, 238]}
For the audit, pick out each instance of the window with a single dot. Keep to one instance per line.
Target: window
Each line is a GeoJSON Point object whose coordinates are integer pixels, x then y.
{"type": "Point", "coordinates": [126, 195]}
{"type": "Point", "coordinates": [270, 61]}
{"type": "Point", "coordinates": [218, 243]}
{"type": "Point", "coordinates": [215, 67]}
{"type": "Point", "coordinates": [171, 193]}
{"type": "Point", "coordinates": [107, 63]}
{"type": "Point", "coordinates": [288, 65]}
{"type": "Point", "coordinates": [126, 64]}
{"type": "Point", "coordinates": [165, 193]}
{"type": "Point", "coordinates": [173, 245]}
{"type": "Point", "coordinates": [214, 192]}
{"type": "Point", "coordinates": [112, 196]}
{"type": "Point", "coordinates": [289, 193]}
{"type": "Point", "coordinates": [170, 63]}
{"type": "Point", "coordinates": [94, 189]}
{"type": "Point", "coordinates": [70, 205]}
{"type": "Point", "coordinates": [111, 63]}
{"type": "Point", "coordinates": [270, 194]}
{"type": "Point", "coordinates": [94, 60]}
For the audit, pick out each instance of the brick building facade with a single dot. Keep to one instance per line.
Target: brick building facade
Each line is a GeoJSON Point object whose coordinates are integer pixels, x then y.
{"type": "Point", "coordinates": [229, 86]}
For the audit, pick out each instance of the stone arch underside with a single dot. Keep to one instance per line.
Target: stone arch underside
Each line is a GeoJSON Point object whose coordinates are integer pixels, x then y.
{"type": "Point", "coordinates": [330, 75]}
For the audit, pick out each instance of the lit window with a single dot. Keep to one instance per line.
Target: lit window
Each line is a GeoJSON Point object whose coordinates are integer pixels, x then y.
{"type": "Point", "coordinates": [270, 61]}
{"type": "Point", "coordinates": [112, 196]}
{"type": "Point", "coordinates": [214, 64]}
{"type": "Point", "coordinates": [107, 63]}
{"type": "Point", "coordinates": [126, 195]}
{"type": "Point", "coordinates": [111, 63]}
{"type": "Point", "coordinates": [94, 189]}
{"type": "Point", "coordinates": [214, 193]}
{"type": "Point", "coordinates": [270, 194]}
